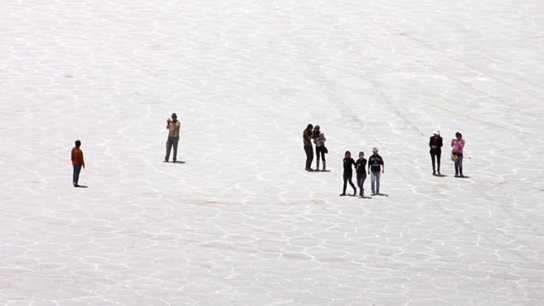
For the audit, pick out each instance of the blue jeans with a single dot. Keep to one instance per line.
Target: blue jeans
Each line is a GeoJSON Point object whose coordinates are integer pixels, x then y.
{"type": "Point", "coordinates": [77, 170]}
{"type": "Point", "coordinates": [309, 156]}
{"type": "Point", "coordinates": [361, 177]}
{"type": "Point", "coordinates": [375, 181]}
{"type": "Point", "coordinates": [459, 164]}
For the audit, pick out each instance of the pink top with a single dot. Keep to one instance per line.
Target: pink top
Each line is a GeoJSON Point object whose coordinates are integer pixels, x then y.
{"type": "Point", "coordinates": [458, 145]}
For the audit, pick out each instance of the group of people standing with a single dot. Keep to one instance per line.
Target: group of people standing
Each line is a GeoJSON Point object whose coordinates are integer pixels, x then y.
{"type": "Point", "coordinates": [376, 166]}
{"type": "Point", "coordinates": [375, 163]}
{"type": "Point", "coordinates": [457, 144]}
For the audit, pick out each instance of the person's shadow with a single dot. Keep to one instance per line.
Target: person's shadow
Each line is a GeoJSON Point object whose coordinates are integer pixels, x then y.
{"type": "Point", "coordinates": [81, 186]}
{"type": "Point", "coordinates": [178, 162]}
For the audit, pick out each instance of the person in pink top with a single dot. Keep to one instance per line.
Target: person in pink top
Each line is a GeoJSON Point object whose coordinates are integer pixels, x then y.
{"type": "Point", "coordinates": [458, 143]}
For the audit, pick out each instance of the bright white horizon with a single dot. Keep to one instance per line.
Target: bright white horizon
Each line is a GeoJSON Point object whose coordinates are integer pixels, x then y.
{"type": "Point", "coordinates": [241, 222]}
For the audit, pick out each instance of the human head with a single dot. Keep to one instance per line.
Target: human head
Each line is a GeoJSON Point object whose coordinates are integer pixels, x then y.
{"type": "Point", "coordinates": [436, 133]}
{"type": "Point", "coordinates": [458, 135]}
{"type": "Point", "coordinates": [78, 143]}
{"type": "Point", "coordinates": [348, 154]}
{"type": "Point", "coordinates": [361, 154]}
{"type": "Point", "coordinates": [375, 150]}
{"type": "Point", "coordinates": [174, 116]}
{"type": "Point", "coordinates": [317, 128]}
{"type": "Point", "coordinates": [309, 127]}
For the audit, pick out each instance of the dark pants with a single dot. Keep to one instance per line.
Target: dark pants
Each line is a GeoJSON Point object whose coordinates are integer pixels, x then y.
{"type": "Point", "coordinates": [361, 177]}
{"type": "Point", "coordinates": [436, 155]}
{"type": "Point", "coordinates": [320, 151]}
{"type": "Point", "coordinates": [171, 142]}
{"type": "Point", "coordinates": [309, 156]}
{"type": "Point", "coordinates": [459, 165]}
{"type": "Point", "coordinates": [75, 177]}
{"type": "Point", "coordinates": [347, 178]}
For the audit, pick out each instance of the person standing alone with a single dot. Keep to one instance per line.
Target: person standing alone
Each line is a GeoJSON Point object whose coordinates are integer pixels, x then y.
{"type": "Point", "coordinates": [435, 144]}
{"type": "Point", "coordinates": [375, 164]}
{"type": "Point", "coordinates": [77, 163]}
{"type": "Point", "coordinates": [307, 136]}
{"type": "Point", "coordinates": [173, 137]}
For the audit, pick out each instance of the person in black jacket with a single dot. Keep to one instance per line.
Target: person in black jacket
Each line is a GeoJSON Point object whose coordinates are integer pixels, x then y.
{"type": "Point", "coordinates": [435, 144]}
{"type": "Point", "coordinates": [360, 165]}
{"type": "Point", "coordinates": [348, 173]}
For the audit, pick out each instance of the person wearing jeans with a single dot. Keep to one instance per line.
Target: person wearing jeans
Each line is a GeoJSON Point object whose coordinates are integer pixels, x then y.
{"type": "Point", "coordinates": [77, 163]}
{"type": "Point", "coordinates": [360, 165]}
{"type": "Point", "coordinates": [307, 136]}
{"type": "Point", "coordinates": [458, 144]}
{"type": "Point", "coordinates": [375, 164]}
{"type": "Point", "coordinates": [173, 137]}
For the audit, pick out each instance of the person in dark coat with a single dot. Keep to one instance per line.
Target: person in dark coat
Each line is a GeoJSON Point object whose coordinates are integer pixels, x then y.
{"type": "Point", "coordinates": [435, 145]}
{"type": "Point", "coordinates": [77, 163]}
{"type": "Point", "coordinates": [348, 173]}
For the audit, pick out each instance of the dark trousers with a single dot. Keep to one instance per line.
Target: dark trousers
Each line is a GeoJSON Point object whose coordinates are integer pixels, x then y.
{"type": "Point", "coordinates": [361, 177]}
{"type": "Point", "coordinates": [309, 156]}
{"type": "Point", "coordinates": [436, 155]}
{"type": "Point", "coordinates": [75, 177]}
{"type": "Point", "coordinates": [171, 142]}
{"type": "Point", "coordinates": [320, 151]}
{"type": "Point", "coordinates": [459, 165]}
{"type": "Point", "coordinates": [347, 178]}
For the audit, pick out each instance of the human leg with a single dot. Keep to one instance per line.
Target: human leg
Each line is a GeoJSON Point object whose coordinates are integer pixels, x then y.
{"type": "Point", "coordinates": [75, 176]}
{"type": "Point", "coordinates": [362, 184]}
{"type": "Point", "coordinates": [378, 182]}
{"type": "Point", "coordinates": [175, 142]}
{"type": "Point", "coordinates": [373, 182]}
{"type": "Point", "coordinates": [169, 144]}
{"type": "Point", "coordinates": [433, 156]}
{"type": "Point", "coordinates": [350, 175]}
{"type": "Point", "coordinates": [460, 164]}
{"type": "Point", "coordinates": [345, 184]}
{"type": "Point", "coordinates": [323, 158]}
{"type": "Point", "coordinates": [309, 156]}
{"type": "Point", "coordinates": [438, 154]}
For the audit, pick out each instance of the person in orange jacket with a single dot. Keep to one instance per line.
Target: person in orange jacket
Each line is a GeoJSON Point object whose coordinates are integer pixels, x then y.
{"type": "Point", "coordinates": [77, 162]}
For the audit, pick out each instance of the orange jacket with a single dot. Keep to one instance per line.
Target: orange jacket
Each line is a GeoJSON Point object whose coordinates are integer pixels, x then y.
{"type": "Point", "coordinates": [77, 156]}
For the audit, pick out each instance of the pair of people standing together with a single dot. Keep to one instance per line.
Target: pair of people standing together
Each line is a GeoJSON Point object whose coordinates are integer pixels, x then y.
{"type": "Point", "coordinates": [376, 166]}
{"type": "Point", "coordinates": [458, 144]}
{"type": "Point", "coordinates": [314, 134]}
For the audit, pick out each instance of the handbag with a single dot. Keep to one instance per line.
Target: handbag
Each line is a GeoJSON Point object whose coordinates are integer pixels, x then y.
{"type": "Point", "coordinates": [325, 150]}
{"type": "Point", "coordinates": [454, 157]}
